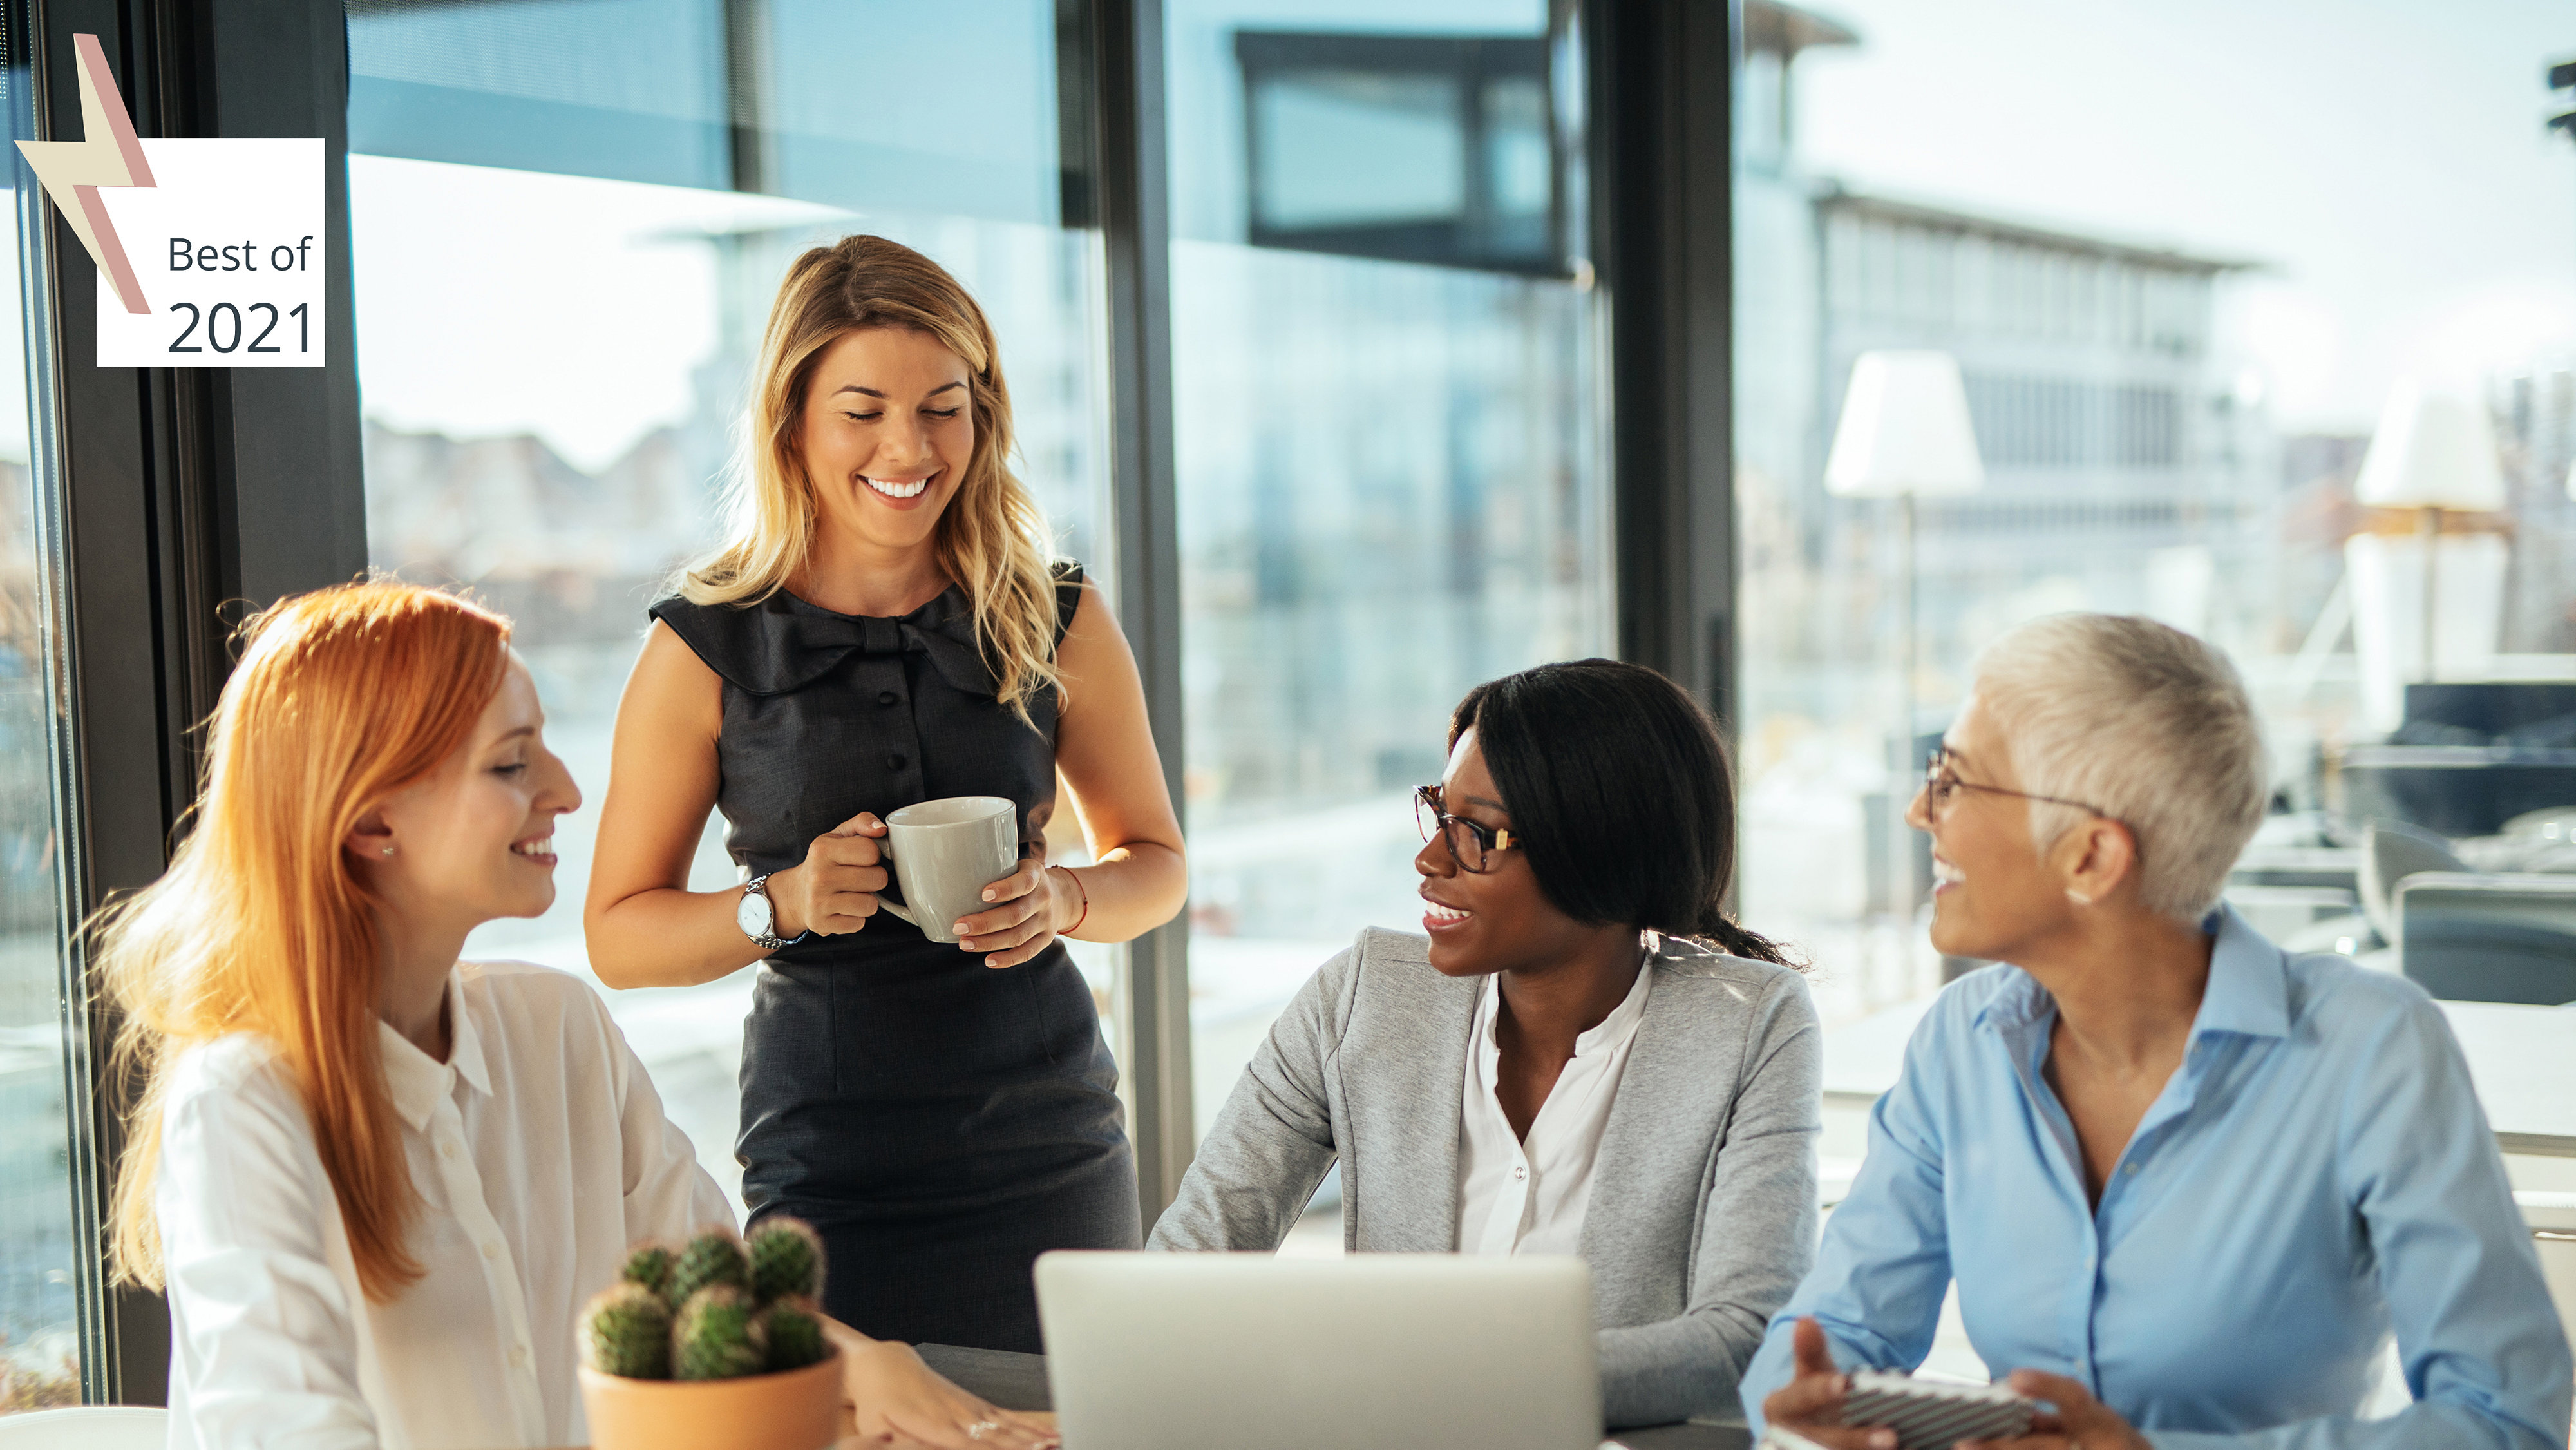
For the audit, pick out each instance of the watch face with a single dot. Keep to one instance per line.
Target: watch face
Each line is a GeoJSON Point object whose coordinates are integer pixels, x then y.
{"type": "Point", "coordinates": [752, 914]}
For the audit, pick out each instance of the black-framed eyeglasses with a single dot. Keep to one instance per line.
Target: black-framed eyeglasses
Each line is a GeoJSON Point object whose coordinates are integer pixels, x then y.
{"type": "Point", "coordinates": [1470, 844]}
{"type": "Point", "coordinates": [1941, 785]}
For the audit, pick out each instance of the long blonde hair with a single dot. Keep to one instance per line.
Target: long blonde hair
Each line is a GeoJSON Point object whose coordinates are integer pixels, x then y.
{"type": "Point", "coordinates": [992, 538]}
{"type": "Point", "coordinates": [343, 697]}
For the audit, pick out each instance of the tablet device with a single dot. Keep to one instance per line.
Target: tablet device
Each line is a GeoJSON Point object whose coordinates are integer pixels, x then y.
{"type": "Point", "coordinates": [1929, 1416]}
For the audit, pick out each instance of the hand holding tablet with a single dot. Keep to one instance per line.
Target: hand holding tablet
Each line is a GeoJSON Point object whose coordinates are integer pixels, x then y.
{"type": "Point", "coordinates": [1824, 1409]}
{"type": "Point", "coordinates": [1922, 1414]}
{"type": "Point", "coordinates": [1928, 1415]}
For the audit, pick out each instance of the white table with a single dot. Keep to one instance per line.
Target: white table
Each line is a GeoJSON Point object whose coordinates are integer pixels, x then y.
{"type": "Point", "coordinates": [2523, 1060]}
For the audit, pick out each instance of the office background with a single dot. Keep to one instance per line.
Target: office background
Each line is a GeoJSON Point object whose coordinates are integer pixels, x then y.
{"type": "Point", "coordinates": [1364, 352]}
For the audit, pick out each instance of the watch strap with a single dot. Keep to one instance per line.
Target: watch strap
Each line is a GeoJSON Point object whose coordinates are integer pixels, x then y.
{"type": "Point", "coordinates": [770, 940]}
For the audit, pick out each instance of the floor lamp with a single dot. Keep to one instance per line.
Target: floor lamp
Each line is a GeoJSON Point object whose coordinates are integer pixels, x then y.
{"type": "Point", "coordinates": [1904, 434]}
{"type": "Point", "coordinates": [2432, 451]}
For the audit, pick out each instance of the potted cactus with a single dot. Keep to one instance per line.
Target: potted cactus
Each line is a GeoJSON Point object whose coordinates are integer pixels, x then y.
{"type": "Point", "coordinates": [716, 1342]}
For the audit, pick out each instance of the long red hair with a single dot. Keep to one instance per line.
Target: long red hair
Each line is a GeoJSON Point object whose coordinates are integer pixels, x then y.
{"type": "Point", "coordinates": [343, 697]}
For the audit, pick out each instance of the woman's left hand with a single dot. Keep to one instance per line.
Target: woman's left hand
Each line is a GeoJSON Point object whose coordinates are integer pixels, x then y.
{"type": "Point", "coordinates": [2081, 1422]}
{"type": "Point", "coordinates": [1031, 904]}
{"type": "Point", "coordinates": [900, 1400]}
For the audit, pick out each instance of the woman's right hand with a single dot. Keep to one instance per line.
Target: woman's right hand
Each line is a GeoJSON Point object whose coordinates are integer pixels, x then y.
{"type": "Point", "coordinates": [832, 892]}
{"type": "Point", "coordinates": [1811, 1403]}
{"type": "Point", "coordinates": [898, 1400]}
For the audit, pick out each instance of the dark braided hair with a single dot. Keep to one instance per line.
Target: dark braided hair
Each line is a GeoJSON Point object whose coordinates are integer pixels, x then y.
{"type": "Point", "coordinates": [1622, 786]}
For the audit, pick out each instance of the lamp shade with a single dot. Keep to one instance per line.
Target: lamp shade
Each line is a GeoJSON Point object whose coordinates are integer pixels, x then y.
{"type": "Point", "coordinates": [1904, 429]}
{"type": "Point", "coordinates": [2432, 449]}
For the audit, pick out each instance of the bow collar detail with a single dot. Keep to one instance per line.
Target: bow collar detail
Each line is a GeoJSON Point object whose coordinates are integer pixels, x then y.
{"type": "Point", "coordinates": [782, 644]}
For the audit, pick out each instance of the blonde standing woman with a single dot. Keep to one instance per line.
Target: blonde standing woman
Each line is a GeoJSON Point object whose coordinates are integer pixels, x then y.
{"type": "Point", "coordinates": [888, 625]}
{"type": "Point", "coordinates": [378, 1182]}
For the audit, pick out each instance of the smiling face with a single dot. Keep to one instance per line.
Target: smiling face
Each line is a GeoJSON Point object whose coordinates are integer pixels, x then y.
{"type": "Point", "coordinates": [1992, 893]}
{"type": "Point", "coordinates": [1498, 919]}
{"type": "Point", "coordinates": [475, 839]}
{"type": "Point", "coordinates": [886, 434]}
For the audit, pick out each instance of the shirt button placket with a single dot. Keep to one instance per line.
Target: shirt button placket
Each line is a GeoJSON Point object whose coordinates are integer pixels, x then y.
{"type": "Point", "coordinates": [894, 698]}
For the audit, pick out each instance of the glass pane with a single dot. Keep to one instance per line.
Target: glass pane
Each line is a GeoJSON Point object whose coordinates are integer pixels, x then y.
{"type": "Point", "coordinates": [2180, 320]}
{"type": "Point", "coordinates": [42, 1261]}
{"type": "Point", "coordinates": [550, 402]}
{"type": "Point", "coordinates": [1391, 486]}
{"type": "Point", "coordinates": [1312, 123]}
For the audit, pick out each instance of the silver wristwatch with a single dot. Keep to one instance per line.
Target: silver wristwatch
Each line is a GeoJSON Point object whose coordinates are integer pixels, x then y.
{"type": "Point", "coordinates": [757, 917]}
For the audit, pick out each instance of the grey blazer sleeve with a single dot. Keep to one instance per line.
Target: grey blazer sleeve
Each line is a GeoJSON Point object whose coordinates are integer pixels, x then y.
{"type": "Point", "coordinates": [1755, 1240]}
{"type": "Point", "coordinates": [1273, 1141]}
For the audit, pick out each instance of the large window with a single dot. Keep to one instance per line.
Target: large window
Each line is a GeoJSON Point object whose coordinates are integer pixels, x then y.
{"type": "Point", "coordinates": [551, 403]}
{"type": "Point", "coordinates": [2177, 343]}
{"type": "Point", "coordinates": [44, 1262]}
{"type": "Point", "coordinates": [1389, 401]}
{"type": "Point", "coordinates": [2190, 263]}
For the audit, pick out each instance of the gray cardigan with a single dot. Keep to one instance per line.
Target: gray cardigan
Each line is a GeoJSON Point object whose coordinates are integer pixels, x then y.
{"type": "Point", "coordinates": [1703, 1210]}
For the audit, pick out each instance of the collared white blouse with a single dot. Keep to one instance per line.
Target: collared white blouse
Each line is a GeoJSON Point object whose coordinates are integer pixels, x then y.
{"type": "Point", "coordinates": [540, 1153]}
{"type": "Point", "coordinates": [1519, 1196]}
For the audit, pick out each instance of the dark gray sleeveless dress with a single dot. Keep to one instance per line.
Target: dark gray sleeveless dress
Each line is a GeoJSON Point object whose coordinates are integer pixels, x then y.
{"type": "Point", "coordinates": [939, 1122]}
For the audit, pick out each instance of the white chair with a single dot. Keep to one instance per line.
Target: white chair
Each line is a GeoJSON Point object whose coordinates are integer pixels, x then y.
{"type": "Point", "coordinates": [94, 1427]}
{"type": "Point", "coordinates": [2552, 1217]}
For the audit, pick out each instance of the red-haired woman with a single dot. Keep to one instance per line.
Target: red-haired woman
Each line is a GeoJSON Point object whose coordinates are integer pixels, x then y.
{"type": "Point", "coordinates": [376, 1181]}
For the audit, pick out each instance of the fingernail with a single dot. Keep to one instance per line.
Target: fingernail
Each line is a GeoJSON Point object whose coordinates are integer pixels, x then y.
{"type": "Point", "coordinates": [988, 896]}
{"type": "Point", "coordinates": [1883, 1439]}
{"type": "Point", "coordinates": [959, 928]}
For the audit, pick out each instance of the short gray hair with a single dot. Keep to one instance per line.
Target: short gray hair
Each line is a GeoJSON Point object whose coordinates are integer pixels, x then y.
{"type": "Point", "coordinates": [2145, 724]}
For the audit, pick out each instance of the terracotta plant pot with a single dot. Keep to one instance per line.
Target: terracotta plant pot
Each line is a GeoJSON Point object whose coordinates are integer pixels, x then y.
{"type": "Point", "coordinates": [799, 1409]}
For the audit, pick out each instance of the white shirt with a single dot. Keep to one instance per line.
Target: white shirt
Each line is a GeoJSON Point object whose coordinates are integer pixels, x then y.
{"type": "Point", "coordinates": [539, 1151]}
{"type": "Point", "coordinates": [1528, 1197]}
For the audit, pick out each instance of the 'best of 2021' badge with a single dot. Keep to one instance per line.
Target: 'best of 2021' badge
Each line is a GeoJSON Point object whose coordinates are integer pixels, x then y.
{"type": "Point", "coordinates": [209, 252]}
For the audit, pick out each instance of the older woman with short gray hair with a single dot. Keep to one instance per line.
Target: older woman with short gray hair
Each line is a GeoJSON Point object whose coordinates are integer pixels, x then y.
{"type": "Point", "coordinates": [2188, 1185]}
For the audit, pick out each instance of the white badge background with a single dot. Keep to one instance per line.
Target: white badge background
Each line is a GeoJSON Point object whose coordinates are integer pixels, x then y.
{"type": "Point", "coordinates": [218, 193]}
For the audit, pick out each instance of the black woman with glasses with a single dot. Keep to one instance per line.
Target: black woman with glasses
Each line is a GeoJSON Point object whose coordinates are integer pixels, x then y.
{"type": "Point", "coordinates": [1581, 1054]}
{"type": "Point", "coordinates": [2189, 1186]}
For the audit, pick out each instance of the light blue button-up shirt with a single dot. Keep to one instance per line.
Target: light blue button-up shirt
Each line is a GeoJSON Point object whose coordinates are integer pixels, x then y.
{"type": "Point", "coordinates": [2316, 1174]}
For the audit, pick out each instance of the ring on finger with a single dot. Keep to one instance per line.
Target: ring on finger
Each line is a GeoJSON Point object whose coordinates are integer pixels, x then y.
{"type": "Point", "coordinates": [982, 1428]}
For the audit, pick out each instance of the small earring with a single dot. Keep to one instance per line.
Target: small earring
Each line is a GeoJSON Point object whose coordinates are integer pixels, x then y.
{"type": "Point", "coordinates": [2078, 897]}
{"type": "Point", "coordinates": [390, 850]}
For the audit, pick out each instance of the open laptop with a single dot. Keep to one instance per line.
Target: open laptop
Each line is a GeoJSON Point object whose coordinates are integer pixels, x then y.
{"type": "Point", "coordinates": [1174, 1351]}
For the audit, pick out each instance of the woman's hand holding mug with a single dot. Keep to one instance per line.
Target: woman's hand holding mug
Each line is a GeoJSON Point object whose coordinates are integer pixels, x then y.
{"type": "Point", "coordinates": [832, 892]}
{"type": "Point", "coordinates": [1035, 903]}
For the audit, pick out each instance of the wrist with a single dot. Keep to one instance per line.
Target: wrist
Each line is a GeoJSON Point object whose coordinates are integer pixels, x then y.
{"type": "Point", "coordinates": [1070, 915]}
{"type": "Point", "coordinates": [784, 920]}
{"type": "Point", "coordinates": [887, 1353]}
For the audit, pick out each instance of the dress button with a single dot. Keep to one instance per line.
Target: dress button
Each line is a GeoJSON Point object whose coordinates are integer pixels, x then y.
{"type": "Point", "coordinates": [2132, 1168]}
{"type": "Point", "coordinates": [895, 761]}
{"type": "Point", "coordinates": [1519, 1173]}
{"type": "Point", "coordinates": [518, 1356]}
{"type": "Point", "coordinates": [447, 1149]}
{"type": "Point", "coordinates": [492, 1251]}
{"type": "Point", "coordinates": [887, 697]}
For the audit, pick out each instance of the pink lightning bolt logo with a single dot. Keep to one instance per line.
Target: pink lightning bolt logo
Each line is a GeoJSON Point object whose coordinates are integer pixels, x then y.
{"type": "Point", "coordinates": [108, 154]}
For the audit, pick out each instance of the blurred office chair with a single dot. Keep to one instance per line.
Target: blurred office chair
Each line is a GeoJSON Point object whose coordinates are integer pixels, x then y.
{"type": "Point", "coordinates": [92, 1427]}
{"type": "Point", "coordinates": [2391, 851]}
{"type": "Point", "coordinates": [2471, 938]}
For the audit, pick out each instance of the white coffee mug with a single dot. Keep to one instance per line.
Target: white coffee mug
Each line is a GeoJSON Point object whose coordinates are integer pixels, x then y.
{"type": "Point", "coordinates": [944, 853]}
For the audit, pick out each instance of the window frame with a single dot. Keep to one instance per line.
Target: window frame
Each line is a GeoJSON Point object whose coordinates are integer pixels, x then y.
{"type": "Point", "coordinates": [181, 493]}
